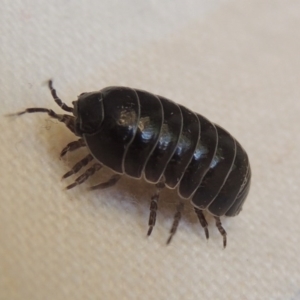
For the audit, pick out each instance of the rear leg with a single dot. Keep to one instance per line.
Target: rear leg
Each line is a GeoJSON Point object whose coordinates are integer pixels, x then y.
{"type": "Point", "coordinates": [221, 230]}
{"type": "Point", "coordinates": [153, 207]}
{"type": "Point", "coordinates": [176, 221]}
{"type": "Point", "coordinates": [202, 221]}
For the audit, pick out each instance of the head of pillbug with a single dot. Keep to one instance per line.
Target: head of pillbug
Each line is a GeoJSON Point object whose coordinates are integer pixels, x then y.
{"type": "Point", "coordinates": [89, 113]}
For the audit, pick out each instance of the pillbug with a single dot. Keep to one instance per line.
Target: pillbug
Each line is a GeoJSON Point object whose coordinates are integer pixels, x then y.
{"type": "Point", "coordinates": [139, 134]}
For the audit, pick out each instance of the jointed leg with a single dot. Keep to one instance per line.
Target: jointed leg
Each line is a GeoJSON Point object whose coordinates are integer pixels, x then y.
{"type": "Point", "coordinates": [153, 206]}
{"type": "Point", "coordinates": [72, 147]}
{"type": "Point", "coordinates": [89, 172]}
{"type": "Point", "coordinates": [109, 183]}
{"type": "Point", "coordinates": [76, 168]}
{"type": "Point", "coordinates": [221, 230]}
{"type": "Point", "coordinates": [177, 218]}
{"type": "Point", "coordinates": [202, 221]}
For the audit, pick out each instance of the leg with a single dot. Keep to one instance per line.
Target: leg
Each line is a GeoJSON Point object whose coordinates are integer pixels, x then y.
{"type": "Point", "coordinates": [72, 147]}
{"type": "Point", "coordinates": [58, 100]}
{"type": "Point", "coordinates": [76, 168]}
{"type": "Point", "coordinates": [153, 206]}
{"type": "Point", "coordinates": [202, 220]}
{"type": "Point", "coordinates": [177, 218]}
{"type": "Point", "coordinates": [109, 183]}
{"type": "Point", "coordinates": [89, 172]}
{"type": "Point", "coordinates": [221, 230]}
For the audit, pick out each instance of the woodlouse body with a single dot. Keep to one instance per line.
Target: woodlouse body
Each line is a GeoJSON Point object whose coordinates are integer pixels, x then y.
{"type": "Point", "coordinates": [137, 133]}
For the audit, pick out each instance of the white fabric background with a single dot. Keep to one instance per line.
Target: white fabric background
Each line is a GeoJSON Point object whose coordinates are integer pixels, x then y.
{"type": "Point", "coordinates": [235, 62]}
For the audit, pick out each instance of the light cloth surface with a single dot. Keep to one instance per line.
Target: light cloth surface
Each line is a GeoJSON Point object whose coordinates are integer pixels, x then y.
{"type": "Point", "coordinates": [235, 62]}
